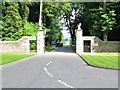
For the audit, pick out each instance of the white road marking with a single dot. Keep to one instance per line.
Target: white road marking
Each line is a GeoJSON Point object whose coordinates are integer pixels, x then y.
{"type": "Point", "coordinates": [48, 72]}
{"type": "Point", "coordinates": [65, 84]}
{"type": "Point", "coordinates": [48, 63]}
{"type": "Point", "coordinates": [45, 68]}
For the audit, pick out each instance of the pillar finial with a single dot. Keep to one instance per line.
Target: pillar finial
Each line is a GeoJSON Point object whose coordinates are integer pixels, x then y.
{"type": "Point", "coordinates": [79, 26]}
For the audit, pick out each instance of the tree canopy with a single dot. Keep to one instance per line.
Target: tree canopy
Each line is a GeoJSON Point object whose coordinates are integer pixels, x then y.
{"type": "Point", "coordinates": [21, 18]}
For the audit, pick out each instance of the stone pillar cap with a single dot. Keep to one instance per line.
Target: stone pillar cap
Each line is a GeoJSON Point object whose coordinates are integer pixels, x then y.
{"type": "Point", "coordinates": [40, 29]}
{"type": "Point", "coordinates": [79, 26]}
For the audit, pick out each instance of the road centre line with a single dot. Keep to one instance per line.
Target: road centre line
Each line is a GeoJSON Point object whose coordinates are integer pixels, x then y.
{"type": "Point", "coordinates": [46, 70]}
{"type": "Point", "coordinates": [48, 63]}
{"type": "Point", "coordinates": [65, 84]}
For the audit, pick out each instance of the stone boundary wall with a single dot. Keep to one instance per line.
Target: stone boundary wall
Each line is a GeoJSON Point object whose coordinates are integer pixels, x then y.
{"type": "Point", "coordinates": [22, 45]}
{"type": "Point", "coordinates": [103, 46]}
{"type": "Point", "coordinates": [96, 44]}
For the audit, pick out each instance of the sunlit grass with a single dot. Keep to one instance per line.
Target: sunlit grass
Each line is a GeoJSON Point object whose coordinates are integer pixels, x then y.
{"type": "Point", "coordinates": [106, 60]}
{"type": "Point", "coordinates": [7, 57]}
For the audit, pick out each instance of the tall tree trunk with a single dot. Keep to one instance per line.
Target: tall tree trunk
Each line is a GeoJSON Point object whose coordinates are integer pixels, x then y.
{"type": "Point", "coordinates": [105, 36]}
{"type": "Point", "coordinates": [69, 26]}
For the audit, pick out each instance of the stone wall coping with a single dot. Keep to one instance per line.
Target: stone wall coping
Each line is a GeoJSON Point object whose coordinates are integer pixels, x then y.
{"type": "Point", "coordinates": [92, 37]}
{"type": "Point", "coordinates": [88, 37]}
{"type": "Point", "coordinates": [29, 38]}
{"type": "Point", "coordinates": [111, 41]}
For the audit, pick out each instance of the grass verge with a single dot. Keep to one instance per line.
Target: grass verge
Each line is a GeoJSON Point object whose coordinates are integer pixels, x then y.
{"type": "Point", "coordinates": [105, 60]}
{"type": "Point", "coordinates": [7, 57]}
{"type": "Point", "coordinates": [49, 47]}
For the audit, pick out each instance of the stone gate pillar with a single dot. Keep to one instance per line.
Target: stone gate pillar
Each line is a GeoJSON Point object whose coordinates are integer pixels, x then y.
{"type": "Point", "coordinates": [79, 40]}
{"type": "Point", "coordinates": [40, 41]}
{"type": "Point", "coordinates": [40, 34]}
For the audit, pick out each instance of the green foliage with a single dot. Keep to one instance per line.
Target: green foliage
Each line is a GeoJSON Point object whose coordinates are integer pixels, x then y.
{"type": "Point", "coordinates": [12, 24]}
{"type": "Point", "coordinates": [24, 10]}
{"type": "Point", "coordinates": [62, 39]}
{"type": "Point", "coordinates": [49, 48]}
{"type": "Point", "coordinates": [15, 24]}
{"type": "Point", "coordinates": [33, 45]}
{"type": "Point", "coordinates": [51, 18]}
{"type": "Point", "coordinates": [18, 18]}
{"type": "Point", "coordinates": [30, 29]}
{"type": "Point", "coordinates": [108, 21]}
{"type": "Point", "coordinates": [100, 20]}
{"type": "Point", "coordinates": [53, 34]}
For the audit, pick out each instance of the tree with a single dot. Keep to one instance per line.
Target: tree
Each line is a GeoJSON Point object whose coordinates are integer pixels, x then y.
{"type": "Point", "coordinates": [101, 20]}
{"type": "Point", "coordinates": [70, 15]}
{"type": "Point", "coordinates": [12, 24]}
{"type": "Point", "coordinates": [20, 18]}
{"type": "Point", "coordinates": [51, 14]}
{"type": "Point", "coordinates": [15, 20]}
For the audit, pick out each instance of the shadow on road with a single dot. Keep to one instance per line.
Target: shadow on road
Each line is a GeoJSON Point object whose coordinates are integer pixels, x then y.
{"type": "Point", "coordinates": [64, 49]}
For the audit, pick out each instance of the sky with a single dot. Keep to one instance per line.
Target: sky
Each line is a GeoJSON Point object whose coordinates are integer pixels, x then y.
{"type": "Point", "coordinates": [66, 33]}
{"type": "Point", "coordinates": [64, 30]}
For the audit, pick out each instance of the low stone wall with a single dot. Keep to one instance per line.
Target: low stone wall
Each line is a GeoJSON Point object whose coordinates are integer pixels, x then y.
{"type": "Point", "coordinates": [22, 45]}
{"type": "Point", "coordinates": [102, 46]}
{"type": "Point", "coordinates": [96, 45]}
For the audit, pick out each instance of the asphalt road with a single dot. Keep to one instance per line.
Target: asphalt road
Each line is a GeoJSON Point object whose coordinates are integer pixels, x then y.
{"type": "Point", "coordinates": [61, 68]}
